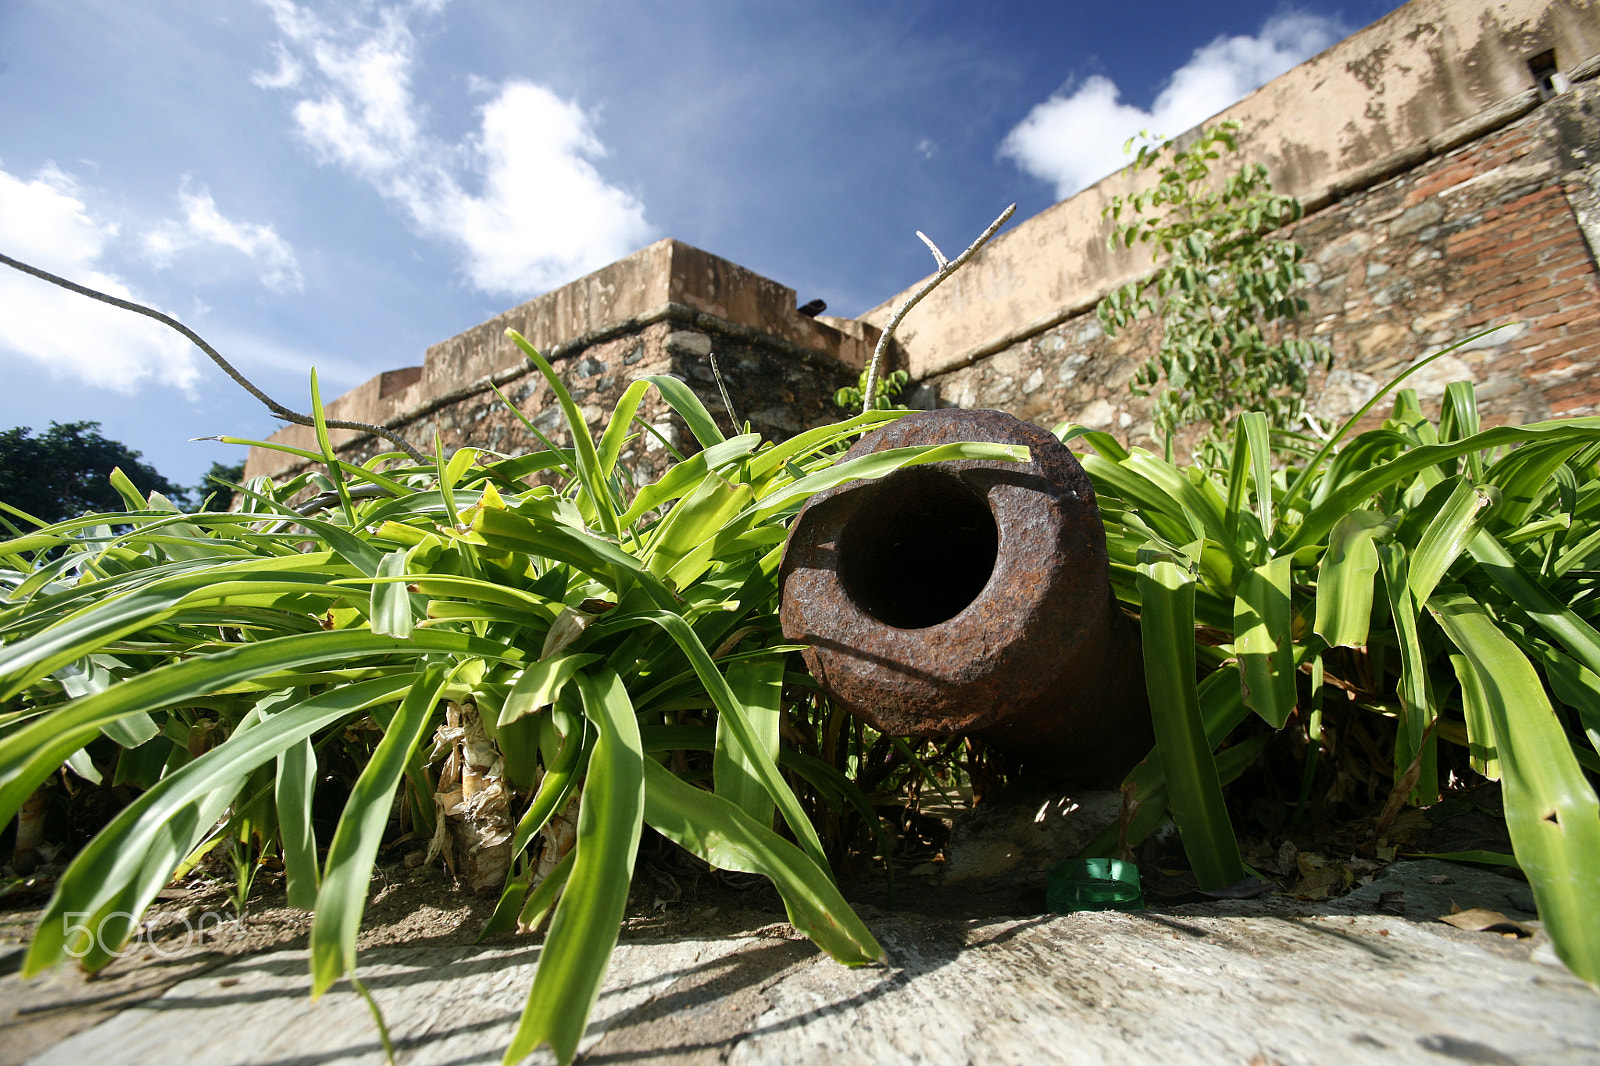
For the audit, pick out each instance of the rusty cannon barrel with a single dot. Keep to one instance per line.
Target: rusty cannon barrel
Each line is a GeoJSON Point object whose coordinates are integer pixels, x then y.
{"type": "Point", "coordinates": [972, 597]}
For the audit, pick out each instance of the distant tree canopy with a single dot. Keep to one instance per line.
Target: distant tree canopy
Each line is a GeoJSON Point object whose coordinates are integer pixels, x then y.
{"type": "Point", "coordinates": [221, 496]}
{"type": "Point", "coordinates": [66, 470]}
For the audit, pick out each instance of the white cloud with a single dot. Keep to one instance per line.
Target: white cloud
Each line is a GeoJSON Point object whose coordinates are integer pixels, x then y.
{"type": "Point", "coordinates": [286, 76]}
{"type": "Point", "coordinates": [203, 225]}
{"type": "Point", "coordinates": [541, 214]}
{"type": "Point", "coordinates": [1076, 139]}
{"type": "Point", "coordinates": [44, 222]}
{"type": "Point", "coordinates": [545, 215]}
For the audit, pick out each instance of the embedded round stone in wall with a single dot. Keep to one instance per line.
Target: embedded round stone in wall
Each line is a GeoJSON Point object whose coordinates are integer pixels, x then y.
{"type": "Point", "coordinates": [689, 342]}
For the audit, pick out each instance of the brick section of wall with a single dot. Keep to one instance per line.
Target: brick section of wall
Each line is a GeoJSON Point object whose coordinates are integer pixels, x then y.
{"type": "Point", "coordinates": [1482, 236]}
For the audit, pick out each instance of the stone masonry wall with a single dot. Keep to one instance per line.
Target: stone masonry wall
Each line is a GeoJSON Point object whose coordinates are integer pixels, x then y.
{"type": "Point", "coordinates": [665, 309]}
{"type": "Point", "coordinates": [1488, 234]}
{"type": "Point", "coordinates": [778, 390]}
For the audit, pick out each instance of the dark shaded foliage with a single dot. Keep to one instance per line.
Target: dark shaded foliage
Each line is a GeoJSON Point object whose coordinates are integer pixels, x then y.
{"type": "Point", "coordinates": [66, 471]}
{"type": "Point", "coordinates": [215, 491]}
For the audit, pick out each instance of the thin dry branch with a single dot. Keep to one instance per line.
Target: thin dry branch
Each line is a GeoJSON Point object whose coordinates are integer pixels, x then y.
{"type": "Point", "coordinates": [946, 268]}
{"type": "Point", "coordinates": [722, 387]}
{"type": "Point", "coordinates": [216, 357]}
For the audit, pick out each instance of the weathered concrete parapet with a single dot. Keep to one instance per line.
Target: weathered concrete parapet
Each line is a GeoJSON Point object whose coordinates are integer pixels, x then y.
{"type": "Point", "coordinates": [1501, 231]}
{"type": "Point", "coordinates": [1419, 82]}
{"type": "Point", "coordinates": [660, 310]}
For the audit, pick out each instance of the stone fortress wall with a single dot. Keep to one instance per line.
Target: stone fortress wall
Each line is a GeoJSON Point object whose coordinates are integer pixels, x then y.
{"type": "Point", "coordinates": [1449, 159]}
{"type": "Point", "coordinates": [662, 310]}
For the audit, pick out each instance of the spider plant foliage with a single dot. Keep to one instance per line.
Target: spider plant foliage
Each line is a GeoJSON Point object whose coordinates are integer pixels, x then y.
{"type": "Point", "coordinates": [215, 659]}
{"type": "Point", "coordinates": [1460, 564]}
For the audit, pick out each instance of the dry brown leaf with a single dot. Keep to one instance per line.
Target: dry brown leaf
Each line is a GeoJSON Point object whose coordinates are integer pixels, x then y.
{"type": "Point", "coordinates": [1480, 920]}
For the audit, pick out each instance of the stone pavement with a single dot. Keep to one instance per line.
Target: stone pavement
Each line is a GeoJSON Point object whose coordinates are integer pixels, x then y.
{"type": "Point", "coordinates": [1237, 982]}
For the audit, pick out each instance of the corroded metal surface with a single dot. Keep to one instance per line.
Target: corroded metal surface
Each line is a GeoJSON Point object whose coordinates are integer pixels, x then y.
{"type": "Point", "coordinates": [971, 597]}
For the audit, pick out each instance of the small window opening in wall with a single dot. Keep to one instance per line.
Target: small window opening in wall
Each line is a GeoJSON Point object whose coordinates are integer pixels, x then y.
{"type": "Point", "coordinates": [1546, 75]}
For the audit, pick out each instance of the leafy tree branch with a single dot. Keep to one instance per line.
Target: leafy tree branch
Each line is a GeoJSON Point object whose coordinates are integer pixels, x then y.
{"type": "Point", "coordinates": [216, 357]}
{"type": "Point", "coordinates": [1222, 286]}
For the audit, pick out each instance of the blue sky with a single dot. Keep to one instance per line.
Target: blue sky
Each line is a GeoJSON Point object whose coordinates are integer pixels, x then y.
{"type": "Point", "coordinates": [340, 185]}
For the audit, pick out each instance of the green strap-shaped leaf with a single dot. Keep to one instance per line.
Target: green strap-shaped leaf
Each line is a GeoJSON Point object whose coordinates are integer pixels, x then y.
{"type": "Point", "coordinates": [696, 521]}
{"type": "Point", "coordinates": [599, 559]}
{"type": "Point", "coordinates": [473, 589]}
{"type": "Point", "coordinates": [539, 902]}
{"type": "Point", "coordinates": [1417, 710]}
{"type": "Point", "coordinates": [686, 476]}
{"type": "Point", "coordinates": [589, 916]}
{"type": "Point", "coordinates": [1458, 419]}
{"type": "Point", "coordinates": [728, 838]}
{"type": "Point", "coordinates": [731, 715]}
{"type": "Point", "coordinates": [88, 676]}
{"type": "Point", "coordinates": [1166, 626]}
{"type": "Point", "coordinates": [1551, 810]}
{"type": "Point", "coordinates": [541, 682]}
{"type": "Point", "coordinates": [110, 925]}
{"type": "Point", "coordinates": [772, 460]}
{"type": "Point", "coordinates": [296, 782]}
{"type": "Point", "coordinates": [348, 872]}
{"type": "Point", "coordinates": [1451, 530]}
{"type": "Point", "coordinates": [1201, 505]}
{"type": "Point", "coordinates": [616, 431]}
{"type": "Point", "coordinates": [86, 630]}
{"type": "Point", "coordinates": [590, 474]}
{"type": "Point", "coordinates": [33, 753]}
{"type": "Point", "coordinates": [1354, 492]}
{"type": "Point", "coordinates": [877, 464]}
{"type": "Point", "coordinates": [1524, 476]}
{"type": "Point", "coordinates": [1345, 580]}
{"type": "Point", "coordinates": [1577, 688]}
{"type": "Point", "coordinates": [1264, 640]}
{"type": "Point", "coordinates": [1482, 752]}
{"type": "Point", "coordinates": [351, 470]}
{"type": "Point", "coordinates": [560, 779]}
{"type": "Point", "coordinates": [1554, 617]}
{"type": "Point", "coordinates": [117, 854]}
{"type": "Point", "coordinates": [329, 458]}
{"type": "Point", "coordinates": [1153, 804]}
{"type": "Point", "coordinates": [1254, 436]}
{"type": "Point", "coordinates": [390, 609]}
{"type": "Point", "coordinates": [758, 686]}
{"type": "Point", "coordinates": [694, 414]}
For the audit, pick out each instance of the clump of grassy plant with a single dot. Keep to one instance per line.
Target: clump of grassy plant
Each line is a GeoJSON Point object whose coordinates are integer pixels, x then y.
{"type": "Point", "coordinates": [1448, 572]}
{"type": "Point", "coordinates": [225, 654]}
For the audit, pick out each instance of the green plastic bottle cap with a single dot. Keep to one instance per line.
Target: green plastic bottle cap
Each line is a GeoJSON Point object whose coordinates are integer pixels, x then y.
{"type": "Point", "coordinates": [1094, 885]}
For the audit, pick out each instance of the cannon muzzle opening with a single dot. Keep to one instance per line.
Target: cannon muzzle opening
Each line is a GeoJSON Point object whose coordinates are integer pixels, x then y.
{"type": "Point", "coordinates": [972, 598]}
{"type": "Point", "coordinates": [919, 550]}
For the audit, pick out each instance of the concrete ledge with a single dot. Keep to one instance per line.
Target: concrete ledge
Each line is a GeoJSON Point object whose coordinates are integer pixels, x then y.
{"type": "Point", "coordinates": [1227, 983]}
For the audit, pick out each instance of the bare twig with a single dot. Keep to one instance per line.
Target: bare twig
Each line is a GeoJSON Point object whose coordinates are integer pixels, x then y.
{"type": "Point", "coordinates": [946, 268]}
{"type": "Point", "coordinates": [1402, 787]}
{"type": "Point", "coordinates": [216, 357]}
{"type": "Point", "coordinates": [722, 387]}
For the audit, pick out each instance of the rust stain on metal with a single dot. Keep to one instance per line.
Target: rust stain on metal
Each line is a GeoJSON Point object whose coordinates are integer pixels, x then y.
{"type": "Point", "coordinates": [971, 597]}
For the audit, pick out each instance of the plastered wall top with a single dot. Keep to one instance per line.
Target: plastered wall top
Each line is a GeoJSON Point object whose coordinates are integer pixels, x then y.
{"type": "Point", "coordinates": [635, 287]}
